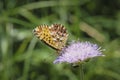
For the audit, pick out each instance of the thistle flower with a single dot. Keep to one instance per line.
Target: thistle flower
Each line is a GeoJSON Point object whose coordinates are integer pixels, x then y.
{"type": "Point", "coordinates": [79, 52]}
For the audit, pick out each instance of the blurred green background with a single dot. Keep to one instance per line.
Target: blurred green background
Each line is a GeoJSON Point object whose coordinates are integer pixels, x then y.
{"type": "Point", "coordinates": [24, 57]}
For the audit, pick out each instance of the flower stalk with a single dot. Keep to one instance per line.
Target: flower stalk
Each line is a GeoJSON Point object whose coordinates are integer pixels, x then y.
{"type": "Point", "coordinates": [81, 72]}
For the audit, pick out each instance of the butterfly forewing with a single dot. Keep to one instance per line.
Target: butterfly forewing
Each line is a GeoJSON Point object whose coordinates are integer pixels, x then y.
{"type": "Point", "coordinates": [54, 35]}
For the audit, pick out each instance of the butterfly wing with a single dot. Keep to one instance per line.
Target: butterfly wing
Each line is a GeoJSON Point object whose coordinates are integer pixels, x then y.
{"type": "Point", "coordinates": [59, 35]}
{"type": "Point", "coordinates": [54, 35]}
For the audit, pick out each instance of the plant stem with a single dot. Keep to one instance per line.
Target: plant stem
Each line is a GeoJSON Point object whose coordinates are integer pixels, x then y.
{"type": "Point", "coordinates": [81, 72]}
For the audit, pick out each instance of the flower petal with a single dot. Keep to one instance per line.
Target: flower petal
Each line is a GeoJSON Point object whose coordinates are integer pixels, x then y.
{"type": "Point", "coordinates": [78, 51]}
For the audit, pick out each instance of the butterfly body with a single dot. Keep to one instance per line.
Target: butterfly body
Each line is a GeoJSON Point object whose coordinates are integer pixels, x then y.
{"type": "Point", "coordinates": [55, 35]}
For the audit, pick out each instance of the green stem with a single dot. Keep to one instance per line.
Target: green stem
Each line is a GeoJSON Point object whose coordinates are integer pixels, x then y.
{"type": "Point", "coordinates": [81, 72]}
{"type": "Point", "coordinates": [27, 60]}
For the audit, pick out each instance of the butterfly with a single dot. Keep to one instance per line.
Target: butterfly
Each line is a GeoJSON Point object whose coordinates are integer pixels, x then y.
{"type": "Point", "coordinates": [54, 35]}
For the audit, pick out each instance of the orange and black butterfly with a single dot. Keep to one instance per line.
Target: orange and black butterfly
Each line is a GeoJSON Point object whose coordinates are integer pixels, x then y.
{"type": "Point", "coordinates": [55, 35]}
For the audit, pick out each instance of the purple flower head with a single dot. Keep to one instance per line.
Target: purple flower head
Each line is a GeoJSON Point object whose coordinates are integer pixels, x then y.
{"type": "Point", "coordinates": [78, 52]}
